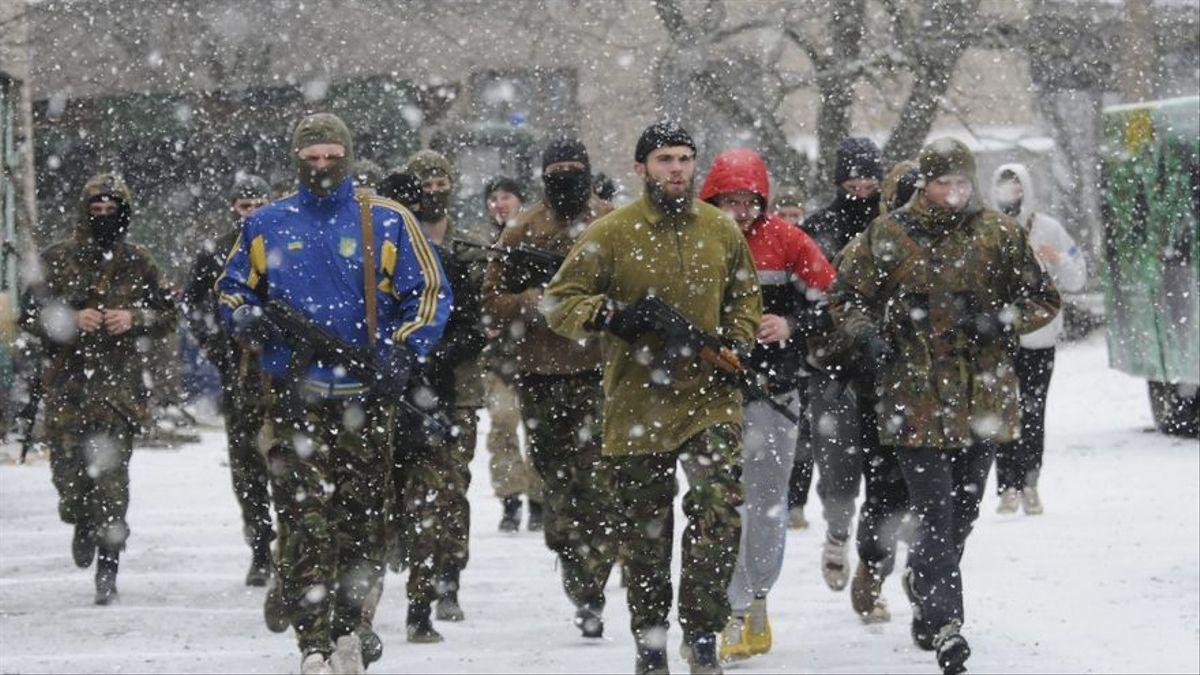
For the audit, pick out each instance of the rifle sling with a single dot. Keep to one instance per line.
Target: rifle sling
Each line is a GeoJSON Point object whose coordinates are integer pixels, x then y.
{"type": "Point", "coordinates": [368, 243]}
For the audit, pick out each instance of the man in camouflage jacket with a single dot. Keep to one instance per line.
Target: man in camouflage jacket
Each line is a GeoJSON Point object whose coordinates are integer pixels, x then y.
{"type": "Point", "coordinates": [97, 300]}
{"type": "Point", "coordinates": [935, 294]}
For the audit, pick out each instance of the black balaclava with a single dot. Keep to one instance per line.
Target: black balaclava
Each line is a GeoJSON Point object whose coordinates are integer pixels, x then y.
{"type": "Point", "coordinates": [319, 129]}
{"type": "Point", "coordinates": [108, 229]}
{"type": "Point", "coordinates": [1010, 208]}
{"type": "Point", "coordinates": [567, 192]}
{"type": "Point", "coordinates": [858, 158]}
{"type": "Point", "coordinates": [427, 164]}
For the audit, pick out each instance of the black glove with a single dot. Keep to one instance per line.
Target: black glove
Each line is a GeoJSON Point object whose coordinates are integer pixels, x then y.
{"type": "Point", "coordinates": [395, 368]}
{"type": "Point", "coordinates": [983, 329]}
{"type": "Point", "coordinates": [631, 321]}
{"type": "Point", "coordinates": [250, 325]}
{"type": "Point", "coordinates": [874, 352]}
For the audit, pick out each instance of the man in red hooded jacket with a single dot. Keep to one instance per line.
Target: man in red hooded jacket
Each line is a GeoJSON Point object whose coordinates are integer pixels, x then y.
{"type": "Point", "coordinates": [793, 275]}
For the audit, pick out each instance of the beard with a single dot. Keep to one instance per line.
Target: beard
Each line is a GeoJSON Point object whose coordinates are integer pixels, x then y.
{"type": "Point", "coordinates": [667, 203]}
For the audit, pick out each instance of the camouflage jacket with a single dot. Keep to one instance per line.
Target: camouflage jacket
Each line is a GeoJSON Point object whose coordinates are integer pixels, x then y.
{"type": "Point", "coordinates": [97, 371]}
{"type": "Point", "coordinates": [915, 279]}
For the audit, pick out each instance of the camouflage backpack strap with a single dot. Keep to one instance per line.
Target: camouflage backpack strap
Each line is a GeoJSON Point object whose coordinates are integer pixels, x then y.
{"type": "Point", "coordinates": [368, 243]}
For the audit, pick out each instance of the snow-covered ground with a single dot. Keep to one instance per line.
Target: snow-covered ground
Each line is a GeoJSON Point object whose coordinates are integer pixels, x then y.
{"type": "Point", "coordinates": [1108, 580]}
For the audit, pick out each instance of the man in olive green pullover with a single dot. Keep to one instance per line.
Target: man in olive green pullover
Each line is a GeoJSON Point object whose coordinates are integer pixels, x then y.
{"type": "Point", "coordinates": [658, 410]}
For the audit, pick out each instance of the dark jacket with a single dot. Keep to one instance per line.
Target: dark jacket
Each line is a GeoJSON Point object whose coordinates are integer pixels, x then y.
{"type": "Point", "coordinates": [835, 225]}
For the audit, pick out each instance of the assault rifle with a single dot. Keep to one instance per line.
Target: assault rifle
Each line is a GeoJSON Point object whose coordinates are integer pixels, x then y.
{"type": "Point", "coordinates": [684, 338]}
{"type": "Point", "coordinates": [310, 341]}
{"type": "Point", "coordinates": [539, 266]}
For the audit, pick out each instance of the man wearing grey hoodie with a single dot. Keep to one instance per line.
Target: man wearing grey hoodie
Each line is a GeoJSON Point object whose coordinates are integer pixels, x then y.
{"type": "Point", "coordinates": [1019, 463]}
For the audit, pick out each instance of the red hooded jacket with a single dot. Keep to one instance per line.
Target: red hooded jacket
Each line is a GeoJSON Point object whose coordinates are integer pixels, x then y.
{"type": "Point", "coordinates": [780, 250]}
{"type": "Point", "coordinates": [788, 261]}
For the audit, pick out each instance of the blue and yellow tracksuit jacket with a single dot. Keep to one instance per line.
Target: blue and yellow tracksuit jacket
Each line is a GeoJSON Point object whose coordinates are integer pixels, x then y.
{"type": "Point", "coordinates": [306, 250]}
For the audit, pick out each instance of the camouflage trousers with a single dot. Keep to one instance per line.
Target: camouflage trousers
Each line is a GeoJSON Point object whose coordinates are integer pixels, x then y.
{"type": "Point", "coordinates": [646, 488]}
{"type": "Point", "coordinates": [432, 517]}
{"type": "Point", "coordinates": [244, 411]}
{"type": "Point", "coordinates": [512, 474]}
{"type": "Point", "coordinates": [329, 476]}
{"type": "Point", "coordinates": [90, 451]}
{"type": "Point", "coordinates": [562, 419]}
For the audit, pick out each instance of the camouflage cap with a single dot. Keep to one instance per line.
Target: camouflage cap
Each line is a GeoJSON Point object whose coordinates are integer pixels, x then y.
{"type": "Point", "coordinates": [249, 186]}
{"type": "Point", "coordinates": [106, 185]}
{"type": "Point", "coordinates": [426, 164]}
{"type": "Point", "coordinates": [366, 173]}
{"type": "Point", "coordinates": [946, 156]}
{"type": "Point", "coordinates": [788, 195]}
{"type": "Point", "coordinates": [320, 128]}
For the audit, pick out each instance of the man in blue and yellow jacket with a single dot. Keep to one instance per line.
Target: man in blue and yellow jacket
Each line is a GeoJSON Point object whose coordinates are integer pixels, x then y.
{"type": "Point", "coordinates": [331, 434]}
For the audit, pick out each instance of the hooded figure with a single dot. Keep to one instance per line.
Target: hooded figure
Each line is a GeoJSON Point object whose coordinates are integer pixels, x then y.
{"type": "Point", "coordinates": [793, 275]}
{"type": "Point", "coordinates": [97, 298]}
{"type": "Point", "coordinates": [848, 214]}
{"type": "Point", "coordinates": [1013, 193]}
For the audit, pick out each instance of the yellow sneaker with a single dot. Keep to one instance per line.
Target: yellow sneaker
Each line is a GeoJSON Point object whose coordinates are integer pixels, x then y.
{"type": "Point", "coordinates": [734, 646]}
{"type": "Point", "coordinates": [757, 634]}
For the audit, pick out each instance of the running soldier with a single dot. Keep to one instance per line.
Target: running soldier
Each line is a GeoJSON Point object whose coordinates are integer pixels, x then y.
{"type": "Point", "coordinates": [96, 299]}
{"type": "Point", "coordinates": [243, 390]}
{"type": "Point", "coordinates": [558, 382]}
{"type": "Point", "coordinates": [454, 473]}
{"type": "Point", "coordinates": [331, 434]}
{"type": "Point", "coordinates": [959, 282]}
{"type": "Point", "coordinates": [663, 407]}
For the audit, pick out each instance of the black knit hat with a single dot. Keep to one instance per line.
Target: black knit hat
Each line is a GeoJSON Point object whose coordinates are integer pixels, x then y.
{"type": "Point", "coordinates": [565, 149]}
{"type": "Point", "coordinates": [664, 134]}
{"type": "Point", "coordinates": [857, 158]}
{"type": "Point", "coordinates": [402, 187]}
{"type": "Point", "coordinates": [503, 183]}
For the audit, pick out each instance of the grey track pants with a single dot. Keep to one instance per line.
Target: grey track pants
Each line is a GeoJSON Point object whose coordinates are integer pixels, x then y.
{"type": "Point", "coordinates": [838, 449]}
{"type": "Point", "coordinates": [768, 450]}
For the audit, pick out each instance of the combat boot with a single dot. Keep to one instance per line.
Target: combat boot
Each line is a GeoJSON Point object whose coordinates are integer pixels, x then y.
{"type": "Point", "coordinates": [835, 565]}
{"type": "Point", "coordinates": [734, 645]}
{"type": "Point", "coordinates": [347, 655]}
{"type": "Point", "coordinates": [275, 612]}
{"type": "Point", "coordinates": [1031, 501]}
{"type": "Point", "coordinates": [511, 520]}
{"type": "Point", "coordinates": [447, 608]}
{"type": "Point", "coordinates": [866, 595]}
{"type": "Point", "coordinates": [106, 575]}
{"type": "Point", "coordinates": [922, 634]}
{"type": "Point", "coordinates": [952, 649]}
{"type": "Point", "coordinates": [650, 660]}
{"type": "Point", "coordinates": [589, 621]}
{"type": "Point", "coordinates": [419, 626]}
{"type": "Point", "coordinates": [83, 545]}
{"type": "Point", "coordinates": [703, 659]}
{"type": "Point", "coordinates": [260, 565]}
{"type": "Point", "coordinates": [535, 523]}
{"type": "Point", "coordinates": [372, 646]}
{"type": "Point", "coordinates": [1010, 499]}
{"type": "Point", "coordinates": [758, 627]}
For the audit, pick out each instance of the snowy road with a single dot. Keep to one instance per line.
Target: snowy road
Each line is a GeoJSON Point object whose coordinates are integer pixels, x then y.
{"type": "Point", "coordinates": [1107, 581]}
